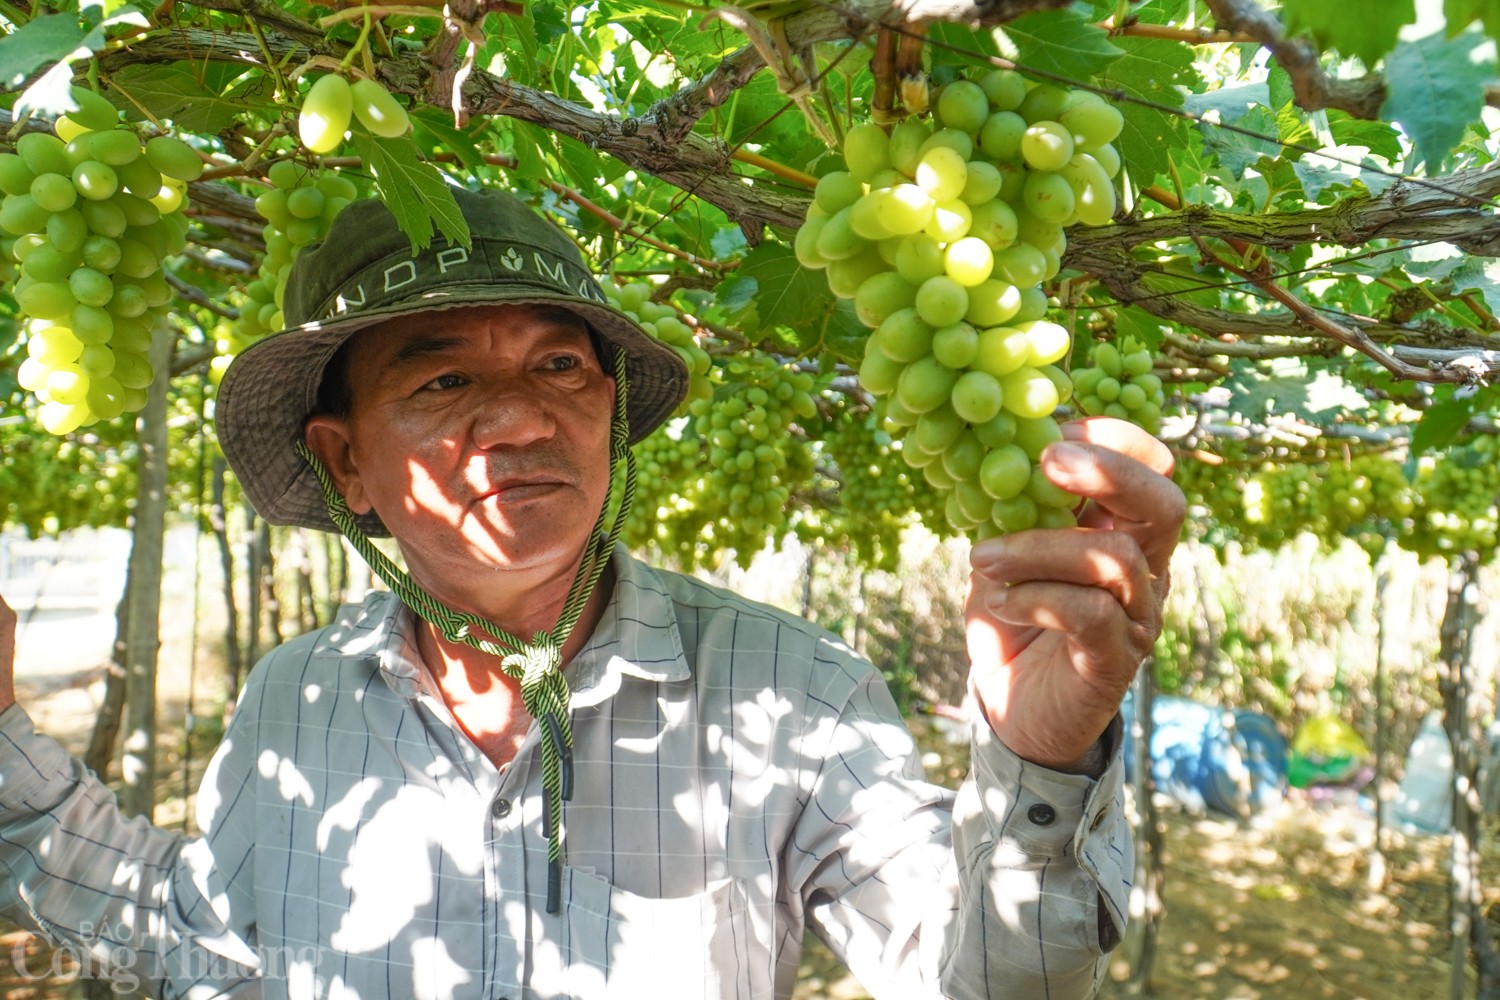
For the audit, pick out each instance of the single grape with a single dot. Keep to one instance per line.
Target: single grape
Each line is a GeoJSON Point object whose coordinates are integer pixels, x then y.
{"type": "Point", "coordinates": [941, 301]}
{"type": "Point", "coordinates": [867, 150]}
{"type": "Point", "coordinates": [977, 396]}
{"type": "Point", "coordinates": [969, 261]}
{"type": "Point", "coordinates": [963, 105]}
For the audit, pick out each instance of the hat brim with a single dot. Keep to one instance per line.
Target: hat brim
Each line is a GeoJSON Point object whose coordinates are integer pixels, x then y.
{"type": "Point", "coordinates": [271, 389]}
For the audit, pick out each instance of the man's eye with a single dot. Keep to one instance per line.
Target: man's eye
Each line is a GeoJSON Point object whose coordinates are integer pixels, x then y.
{"type": "Point", "coordinates": [564, 362]}
{"type": "Point", "coordinates": [449, 381]}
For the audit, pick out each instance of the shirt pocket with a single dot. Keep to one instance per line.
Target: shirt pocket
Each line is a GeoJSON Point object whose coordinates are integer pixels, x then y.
{"type": "Point", "coordinates": [623, 946]}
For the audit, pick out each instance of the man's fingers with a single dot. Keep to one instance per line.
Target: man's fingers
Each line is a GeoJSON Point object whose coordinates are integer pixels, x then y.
{"type": "Point", "coordinates": [1121, 471]}
{"type": "Point", "coordinates": [1108, 562]}
{"type": "Point", "coordinates": [1123, 438]}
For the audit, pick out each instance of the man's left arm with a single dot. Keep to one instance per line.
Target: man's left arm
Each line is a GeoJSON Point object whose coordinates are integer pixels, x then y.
{"type": "Point", "coordinates": [1057, 623]}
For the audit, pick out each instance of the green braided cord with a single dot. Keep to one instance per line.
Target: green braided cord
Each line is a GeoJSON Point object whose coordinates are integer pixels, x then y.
{"type": "Point", "coordinates": [536, 665]}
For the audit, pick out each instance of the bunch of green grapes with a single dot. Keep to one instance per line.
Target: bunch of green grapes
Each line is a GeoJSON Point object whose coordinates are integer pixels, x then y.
{"type": "Point", "coordinates": [1119, 382]}
{"type": "Point", "coordinates": [878, 494]}
{"type": "Point", "coordinates": [664, 323]}
{"type": "Point", "coordinates": [298, 208]}
{"type": "Point", "coordinates": [669, 482]}
{"type": "Point", "coordinates": [94, 212]}
{"type": "Point", "coordinates": [1214, 491]}
{"type": "Point", "coordinates": [1365, 489]}
{"type": "Point", "coordinates": [943, 237]}
{"type": "Point", "coordinates": [1456, 498]}
{"type": "Point", "coordinates": [754, 457]}
{"type": "Point", "coordinates": [725, 472]}
{"type": "Point", "coordinates": [1281, 501]}
{"type": "Point", "coordinates": [1378, 500]}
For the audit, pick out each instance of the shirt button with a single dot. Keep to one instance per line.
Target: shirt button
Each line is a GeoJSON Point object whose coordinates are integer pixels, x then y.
{"type": "Point", "coordinates": [1041, 814]}
{"type": "Point", "coordinates": [500, 808]}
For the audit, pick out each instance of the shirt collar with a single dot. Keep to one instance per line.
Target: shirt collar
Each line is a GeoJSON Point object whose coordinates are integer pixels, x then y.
{"type": "Point", "coordinates": [637, 636]}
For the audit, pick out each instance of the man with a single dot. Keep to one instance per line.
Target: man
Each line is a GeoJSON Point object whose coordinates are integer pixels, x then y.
{"type": "Point", "coordinates": [540, 768]}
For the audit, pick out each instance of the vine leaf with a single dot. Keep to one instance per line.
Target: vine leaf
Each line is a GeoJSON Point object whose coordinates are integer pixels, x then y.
{"type": "Point", "coordinates": [773, 291]}
{"type": "Point", "coordinates": [1365, 29]}
{"type": "Point", "coordinates": [1158, 71]}
{"type": "Point", "coordinates": [1320, 173]}
{"type": "Point", "coordinates": [414, 191]}
{"type": "Point", "coordinates": [1064, 42]}
{"type": "Point", "coordinates": [1442, 421]}
{"type": "Point", "coordinates": [1461, 13]}
{"type": "Point", "coordinates": [171, 92]}
{"type": "Point", "coordinates": [1481, 275]}
{"type": "Point", "coordinates": [1435, 88]}
{"type": "Point", "coordinates": [36, 43]}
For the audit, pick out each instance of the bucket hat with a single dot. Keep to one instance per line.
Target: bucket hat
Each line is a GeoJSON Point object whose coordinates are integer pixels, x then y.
{"type": "Point", "coordinates": [365, 272]}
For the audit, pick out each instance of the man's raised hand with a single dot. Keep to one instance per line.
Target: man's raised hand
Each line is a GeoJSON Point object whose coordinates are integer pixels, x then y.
{"type": "Point", "coordinates": [1058, 621]}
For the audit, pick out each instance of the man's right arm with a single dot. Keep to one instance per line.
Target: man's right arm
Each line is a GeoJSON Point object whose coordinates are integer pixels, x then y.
{"type": "Point", "coordinates": [134, 897]}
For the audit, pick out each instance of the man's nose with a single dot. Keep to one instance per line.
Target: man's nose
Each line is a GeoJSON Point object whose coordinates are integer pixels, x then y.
{"type": "Point", "coordinates": [512, 416]}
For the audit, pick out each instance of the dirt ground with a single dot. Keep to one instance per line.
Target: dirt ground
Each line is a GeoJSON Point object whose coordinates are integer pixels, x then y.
{"type": "Point", "coordinates": [1280, 908]}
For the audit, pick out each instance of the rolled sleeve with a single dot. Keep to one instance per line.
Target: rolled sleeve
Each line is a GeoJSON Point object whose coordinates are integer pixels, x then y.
{"type": "Point", "coordinates": [33, 768]}
{"type": "Point", "coordinates": [1044, 865]}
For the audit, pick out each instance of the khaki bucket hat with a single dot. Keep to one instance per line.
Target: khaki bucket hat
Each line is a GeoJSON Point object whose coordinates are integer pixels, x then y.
{"type": "Point", "coordinates": [363, 273]}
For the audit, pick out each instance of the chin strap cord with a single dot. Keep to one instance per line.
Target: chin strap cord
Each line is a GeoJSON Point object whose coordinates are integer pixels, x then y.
{"type": "Point", "coordinates": [537, 664]}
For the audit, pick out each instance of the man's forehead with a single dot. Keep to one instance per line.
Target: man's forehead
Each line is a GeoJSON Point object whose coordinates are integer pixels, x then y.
{"type": "Point", "coordinates": [445, 322]}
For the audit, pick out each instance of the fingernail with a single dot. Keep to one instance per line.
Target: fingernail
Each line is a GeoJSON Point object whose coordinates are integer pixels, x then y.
{"type": "Point", "coordinates": [995, 599]}
{"type": "Point", "coordinates": [1070, 457]}
{"type": "Point", "coordinates": [986, 553]}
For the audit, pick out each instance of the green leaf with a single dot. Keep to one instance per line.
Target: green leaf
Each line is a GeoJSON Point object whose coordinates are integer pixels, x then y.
{"type": "Point", "coordinates": [435, 130]}
{"type": "Point", "coordinates": [1257, 395]}
{"type": "Point", "coordinates": [1229, 103]}
{"type": "Point", "coordinates": [1435, 88]}
{"type": "Point", "coordinates": [1235, 150]}
{"type": "Point", "coordinates": [727, 242]}
{"type": "Point", "coordinates": [787, 295]}
{"type": "Point", "coordinates": [169, 91]}
{"type": "Point", "coordinates": [1133, 321]}
{"type": "Point", "coordinates": [1157, 71]}
{"type": "Point", "coordinates": [1433, 261]}
{"type": "Point", "coordinates": [1442, 421]}
{"type": "Point", "coordinates": [531, 144]}
{"type": "Point", "coordinates": [1480, 274]}
{"type": "Point", "coordinates": [1378, 137]}
{"type": "Point", "coordinates": [1365, 29]}
{"type": "Point", "coordinates": [1064, 42]}
{"type": "Point", "coordinates": [413, 190]}
{"type": "Point", "coordinates": [1343, 166]}
{"type": "Point", "coordinates": [36, 43]}
{"type": "Point", "coordinates": [1461, 13]}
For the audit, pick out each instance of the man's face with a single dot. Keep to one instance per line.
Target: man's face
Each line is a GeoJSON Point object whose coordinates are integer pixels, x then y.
{"type": "Point", "coordinates": [481, 438]}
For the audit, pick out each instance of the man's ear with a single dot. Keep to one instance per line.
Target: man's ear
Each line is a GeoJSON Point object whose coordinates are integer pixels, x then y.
{"type": "Point", "coordinates": [328, 437]}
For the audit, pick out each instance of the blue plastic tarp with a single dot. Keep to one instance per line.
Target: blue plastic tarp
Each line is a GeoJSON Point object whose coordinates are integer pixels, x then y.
{"type": "Point", "coordinates": [1212, 759]}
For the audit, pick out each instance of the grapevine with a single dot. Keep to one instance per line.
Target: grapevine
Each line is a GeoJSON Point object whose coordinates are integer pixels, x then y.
{"type": "Point", "coordinates": [942, 237]}
{"type": "Point", "coordinates": [94, 212]}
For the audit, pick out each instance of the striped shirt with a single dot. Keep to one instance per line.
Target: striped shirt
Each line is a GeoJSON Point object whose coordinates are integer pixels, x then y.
{"type": "Point", "coordinates": [741, 776]}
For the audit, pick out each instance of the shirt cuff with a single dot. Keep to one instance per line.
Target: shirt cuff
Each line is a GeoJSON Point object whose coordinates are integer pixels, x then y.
{"type": "Point", "coordinates": [29, 763]}
{"type": "Point", "coordinates": [1039, 811]}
